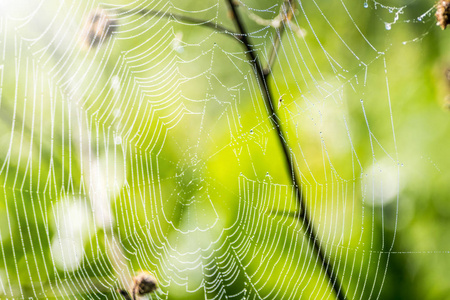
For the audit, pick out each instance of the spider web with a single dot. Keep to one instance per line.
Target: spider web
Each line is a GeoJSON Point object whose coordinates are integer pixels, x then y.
{"type": "Point", "coordinates": [153, 150]}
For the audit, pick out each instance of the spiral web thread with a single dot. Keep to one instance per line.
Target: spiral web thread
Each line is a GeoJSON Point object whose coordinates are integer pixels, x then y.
{"type": "Point", "coordinates": [152, 150]}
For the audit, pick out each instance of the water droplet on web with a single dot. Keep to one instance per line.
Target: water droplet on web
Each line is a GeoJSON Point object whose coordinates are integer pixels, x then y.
{"type": "Point", "coordinates": [366, 5]}
{"type": "Point", "coordinates": [251, 131]}
{"type": "Point", "coordinates": [245, 77]}
{"type": "Point", "coordinates": [117, 140]}
{"type": "Point", "coordinates": [419, 19]}
{"type": "Point", "coordinates": [387, 26]}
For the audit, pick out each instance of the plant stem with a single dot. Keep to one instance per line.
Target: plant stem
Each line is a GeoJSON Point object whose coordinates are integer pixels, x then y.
{"type": "Point", "coordinates": [303, 215]}
{"type": "Point", "coordinates": [273, 52]}
{"type": "Point", "coordinates": [183, 18]}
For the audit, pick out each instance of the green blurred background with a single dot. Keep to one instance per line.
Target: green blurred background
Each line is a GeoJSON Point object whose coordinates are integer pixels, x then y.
{"type": "Point", "coordinates": [153, 151]}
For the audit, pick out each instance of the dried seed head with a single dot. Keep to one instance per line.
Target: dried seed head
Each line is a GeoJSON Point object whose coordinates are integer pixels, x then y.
{"type": "Point", "coordinates": [280, 101]}
{"type": "Point", "coordinates": [97, 28]}
{"type": "Point", "coordinates": [443, 13]}
{"type": "Point", "coordinates": [144, 283]}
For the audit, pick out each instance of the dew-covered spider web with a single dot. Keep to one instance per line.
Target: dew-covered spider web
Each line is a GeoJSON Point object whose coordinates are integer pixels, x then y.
{"type": "Point", "coordinates": [146, 144]}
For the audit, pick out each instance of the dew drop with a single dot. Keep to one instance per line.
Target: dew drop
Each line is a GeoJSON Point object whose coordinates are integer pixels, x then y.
{"type": "Point", "coordinates": [251, 131]}
{"type": "Point", "coordinates": [387, 26]}
{"type": "Point", "coordinates": [366, 5]}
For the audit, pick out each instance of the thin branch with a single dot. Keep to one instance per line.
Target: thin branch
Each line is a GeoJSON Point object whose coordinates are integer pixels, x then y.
{"type": "Point", "coordinates": [285, 15]}
{"type": "Point", "coordinates": [182, 18]}
{"type": "Point", "coordinates": [274, 51]}
{"type": "Point", "coordinates": [303, 215]}
{"type": "Point", "coordinates": [279, 23]}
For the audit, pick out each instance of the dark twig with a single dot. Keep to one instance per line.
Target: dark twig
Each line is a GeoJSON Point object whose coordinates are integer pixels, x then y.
{"type": "Point", "coordinates": [303, 214]}
{"type": "Point", "coordinates": [182, 18]}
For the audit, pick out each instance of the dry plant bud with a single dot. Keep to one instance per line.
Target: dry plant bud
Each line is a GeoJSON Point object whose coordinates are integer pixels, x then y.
{"type": "Point", "coordinates": [97, 28]}
{"type": "Point", "coordinates": [280, 101]}
{"type": "Point", "coordinates": [443, 13]}
{"type": "Point", "coordinates": [143, 283]}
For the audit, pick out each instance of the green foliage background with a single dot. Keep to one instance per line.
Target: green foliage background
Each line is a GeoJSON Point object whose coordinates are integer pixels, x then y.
{"type": "Point", "coordinates": [179, 141]}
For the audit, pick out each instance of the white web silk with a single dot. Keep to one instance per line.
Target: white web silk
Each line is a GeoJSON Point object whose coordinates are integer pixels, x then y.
{"type": "Point", "coordinates": [153, 150]}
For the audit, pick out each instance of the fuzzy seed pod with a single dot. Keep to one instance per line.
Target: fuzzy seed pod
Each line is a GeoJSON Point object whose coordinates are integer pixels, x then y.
{"type": "Point", "coordinates": [143, 283]}
{"type": "Point", "coordinates": [443, 13]}
{"type": "Point", "coordinates": [98, 28]}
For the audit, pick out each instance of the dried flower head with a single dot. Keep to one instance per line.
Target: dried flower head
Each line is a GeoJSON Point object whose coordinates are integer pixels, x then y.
{"type": "Point", "coordinates": [443, 13]}
{"type": "Point", "coordinates": [280, 101]}
{"type": "Point", "coordinates": [143, 283]}
{"type": "Point", "coordinates": [97, 28]}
